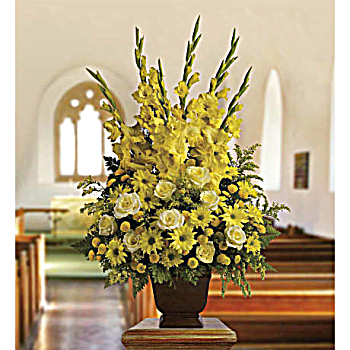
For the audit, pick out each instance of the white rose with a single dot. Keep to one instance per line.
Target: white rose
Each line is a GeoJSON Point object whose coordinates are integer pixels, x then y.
{"type": "Point", "coordinates": [164, 189]}
{"type": "Point", "coordinates": [205, 253]}
{"type": "Point", "coordinates": [127, 203]}
{"type": "Point", "coordinates": [235, 237]}
{"type": "Point", "coordinates": [107, 225]}
{"type": "Point", "coordinates": [210, 199]}
{"type": "Point", "coordinates": [199, 176]}
{"type": "Point", "coordinates": [132, 241]}
{"type": "Point", "coordinates": [170, 219]}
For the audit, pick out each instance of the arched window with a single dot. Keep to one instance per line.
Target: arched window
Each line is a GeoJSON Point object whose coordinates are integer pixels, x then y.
{"type": "Point", "coordinates": [79, 136]}
{"type": "Point", "coordinates": [271, 151]}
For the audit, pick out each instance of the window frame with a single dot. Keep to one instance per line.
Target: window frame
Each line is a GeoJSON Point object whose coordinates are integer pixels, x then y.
{"type": "Point", "coordinates": [64, 110]}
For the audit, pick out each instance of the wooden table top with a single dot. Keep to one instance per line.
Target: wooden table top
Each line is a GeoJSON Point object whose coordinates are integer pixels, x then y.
{"type": "Point", "coordinates": [148, 335]}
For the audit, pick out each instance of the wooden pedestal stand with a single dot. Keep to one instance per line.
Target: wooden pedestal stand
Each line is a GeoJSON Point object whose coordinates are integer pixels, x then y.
{"type": "Point", "coordinates": [148, 335]}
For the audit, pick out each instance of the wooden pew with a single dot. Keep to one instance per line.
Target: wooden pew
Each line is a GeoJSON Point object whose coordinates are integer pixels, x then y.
{"type": "Point", "coordinates": [283, 308]}
{"type": "Point", "coordinates": [20, 213]}
{"type": "Point", "coordinates": [17, 307]}
{"type": "Point", "coordinates": [38, 272]}
{"type": "Point", "coordinates": [300, 248]}
{"type": "Point", "coordinates": [293, 305]}
{"type": "Point", "coordinates": [30, 282]}
{"type": "Point", "coordinates": [23, 295]}
{"type": "Point", "coordinates": [19, 221]}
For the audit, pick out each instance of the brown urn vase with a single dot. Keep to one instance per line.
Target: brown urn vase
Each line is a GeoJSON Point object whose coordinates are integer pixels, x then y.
{"type": "Point", "coordinates": [181, 303]}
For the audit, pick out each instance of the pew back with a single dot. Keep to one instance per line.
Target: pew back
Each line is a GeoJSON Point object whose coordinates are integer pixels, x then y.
{"type": "Point", "coordinates": [23, 242]}
{"type": "Point", "coordinates": [30, 283]}
{"type": "Point", "coordinates": [17, 306]}
{"type": "Point", "coordinates": [24, 295]}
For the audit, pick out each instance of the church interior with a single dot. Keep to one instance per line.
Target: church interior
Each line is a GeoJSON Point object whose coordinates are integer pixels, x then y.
{"type": "Point", "coordinates": [61, 302]}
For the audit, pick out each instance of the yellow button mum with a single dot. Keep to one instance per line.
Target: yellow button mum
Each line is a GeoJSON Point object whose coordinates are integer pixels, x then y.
{"type": "Point", "coordinates": [192, 263]}
{"type": "Point", "coordinates": [202, 239]}
{"type": "Point", "coordinates": [91, 255]}
{"type": "Point", "coordinates": [154, 258]}
{"type": "Point", "coordinates": [223, 259]}
{"type": "Point", "coordinates": [101, 249]}
{"type": "Point", "coordinates": [125, 226]}
{"type": "Point", "coordinates": [95, 242]}
{"type": "Point", "coordinates": [232, 188]}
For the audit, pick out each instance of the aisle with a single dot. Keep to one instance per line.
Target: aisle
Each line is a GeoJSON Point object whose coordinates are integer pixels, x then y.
{"type": "Point", "coordinates": [81, 314]}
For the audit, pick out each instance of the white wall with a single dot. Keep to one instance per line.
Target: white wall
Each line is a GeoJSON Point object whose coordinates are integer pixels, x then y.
{"type": "Point", "coordinates": [294, 36]}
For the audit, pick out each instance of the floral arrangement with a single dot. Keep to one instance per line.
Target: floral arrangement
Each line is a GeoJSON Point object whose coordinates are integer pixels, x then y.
{"type": "Point", "coordinates": [178, 202]}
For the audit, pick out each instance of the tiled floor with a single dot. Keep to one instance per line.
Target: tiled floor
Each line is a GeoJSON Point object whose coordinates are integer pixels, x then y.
{"type": "Point", "coordinates": [81, 315]}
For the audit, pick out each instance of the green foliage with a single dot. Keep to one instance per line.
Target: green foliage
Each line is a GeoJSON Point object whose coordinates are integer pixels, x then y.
{"type": "Point", "coordinates": [240, 280]}
{"type": "Point", "coordinates": [160, 274]}
{"type": "Point", "coordinates": [271, 234]}
{"type": "Point", "coordinates": [83, 246]}
{"type": "Point", "coordinates": [226, 277]}
{"type": "Point", "coordinates": [275, 208]}
{"type": "Point", "coordinates": [112, 164]}
{"type": "Point", "coordinates": [117, 275]}
{"type": "Point", "coordinates": [139, 281]}
{"type": "Point", "coordinates": [89, 186]}
{"type": "Point", "coordinates": [190, 275]}
{"type": "Point", "coordinates": [244, 158]}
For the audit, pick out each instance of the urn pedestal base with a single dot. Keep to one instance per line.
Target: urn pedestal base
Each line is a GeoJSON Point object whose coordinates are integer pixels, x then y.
{"type": "Point", "coordinates": [148, 335]}
{"type": "Point", "coordinates": [180, 321]}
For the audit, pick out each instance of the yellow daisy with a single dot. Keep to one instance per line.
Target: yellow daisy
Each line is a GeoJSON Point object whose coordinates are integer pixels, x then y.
{"type": "Point", "coordinates": [150, 241]}
{"type": "Point", "coordinates": [246, 189]}
{"type": "Point", "coordinates": [234, 216]}
{"type": "Point", "coordinates": [115, 253]}
{"type": "Point", "coordinates": [143, 180]}
{"type": "Point", "coordinates": [182, 238]}
{"type": "Point", "coordinates": [141, 268]}
{"type": "Point", "coordinates": [253, 244]}
{"type": "Point", "coordinates": [201, 217]}
{"type": "Point", "coordinates": [149, 200]}
{"type": "Point", "coordinates": [255, 213]}
{"type": "Point", "coordinates": [170, 258]}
